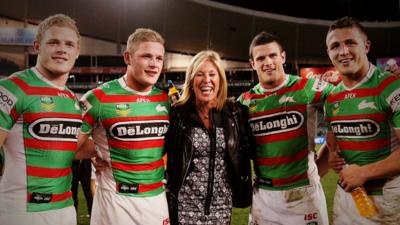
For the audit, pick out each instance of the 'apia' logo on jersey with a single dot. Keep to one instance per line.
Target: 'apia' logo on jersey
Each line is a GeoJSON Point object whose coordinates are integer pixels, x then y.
{"type": "Point", "coordinates": [142, 99]}
{"type": "Point", "coordinates": [364, 128]}
{"type": "Point", "coordinates": [139, 130]}
{"type": "Point", "coordinates": [123, 109]}
{"type": "Point", "coordinates": [55, 129]}
{"type": "Point", "coordinates": [47, 103]}
{"type": "Point", "coordinates": [276, 123]}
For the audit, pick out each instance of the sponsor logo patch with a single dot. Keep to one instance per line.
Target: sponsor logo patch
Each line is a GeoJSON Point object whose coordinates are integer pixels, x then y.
{"type": "Point", "coordinates": [7, 100]}
{"type": "Point", "coordinates": [40, 198]}
{"type": "Point", "coordinates": [276, 123]}
{"type": "Point", "coordinates": [128, 188]}
{"type": "Point", "coordinates": [139, 130]}
{"type": "Point", "coordinates": [366, 105]}
{"type": "Point", "coordinates": [319, 85]}
{"type": "Point", "coordinates": [85, 106]}
{"type": "Point", "coordinates": [336, 107]}
{"type": "Point", "coordinates": [312, 223]}
{"type": "Point", "coordinates": [122, 109]}
{"type": "Point", "coordinates": [161, 108]}
{"type": "Point", "coordinates": [47, 103]}
{"type": "Point", "coordinates": [311, 216]}
{"type": "Point", "coordinates": [55, 129]}
{"type": "Point", "coordinates": [364, 128]}
{"type": "Point", "coordinates": [286, 99]}
{"type": "Point", "coordinates": [394, 100]}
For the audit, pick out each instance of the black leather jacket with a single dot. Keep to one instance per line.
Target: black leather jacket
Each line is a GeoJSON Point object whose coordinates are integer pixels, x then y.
{"type": "Point", "coordinates": [178, 144]}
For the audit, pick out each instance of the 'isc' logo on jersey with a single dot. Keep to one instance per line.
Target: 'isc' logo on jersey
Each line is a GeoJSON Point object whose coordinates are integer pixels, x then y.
{"type": "Point", "coordinates": [139, 130]}
{"type": "Point", "coordinates": [364, 128]}
{"type": "Point", "coordinates": [55, 129]}
{"type": "Point", "coordinates": [276, 123]}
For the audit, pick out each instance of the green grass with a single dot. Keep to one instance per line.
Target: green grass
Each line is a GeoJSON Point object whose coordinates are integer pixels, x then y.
{"type": "Point", "coordinates": [82, 208]}
{"type": "Point", "coordinates": [329, 182]}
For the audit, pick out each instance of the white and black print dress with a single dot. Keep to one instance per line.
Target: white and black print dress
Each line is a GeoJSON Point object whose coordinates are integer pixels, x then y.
{"type": "Point", "coordinates": [192, 195]}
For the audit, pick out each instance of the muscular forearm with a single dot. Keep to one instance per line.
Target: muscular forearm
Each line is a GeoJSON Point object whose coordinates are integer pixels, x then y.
{"type": "Point", "coordinates": [388, 167]}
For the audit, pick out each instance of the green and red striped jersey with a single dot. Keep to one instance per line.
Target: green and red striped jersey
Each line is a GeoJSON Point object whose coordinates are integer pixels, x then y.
{"type": "Point", "coordinates": [128, 128]}
{"type": "Point", "coordinates": [42, 121]}
{"type": "Point", "coordinates": [278, 120]}
{"type": "Point", "coordinates": [362, 117]}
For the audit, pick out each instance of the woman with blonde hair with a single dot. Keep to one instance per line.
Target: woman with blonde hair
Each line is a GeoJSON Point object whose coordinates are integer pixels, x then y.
{"type": "Point", "coordinates": [208, 142]}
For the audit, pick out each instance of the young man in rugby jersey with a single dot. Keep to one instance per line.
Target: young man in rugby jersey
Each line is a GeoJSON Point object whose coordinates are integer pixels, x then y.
{"type": "Point", "coordinates": [363, 112]}
{"type": "Point", "coordinates": [288, 189]}
{"type": "Point", "coordinates": [128, 119]}
{"type": "Point", "coordinates": [39, 122]}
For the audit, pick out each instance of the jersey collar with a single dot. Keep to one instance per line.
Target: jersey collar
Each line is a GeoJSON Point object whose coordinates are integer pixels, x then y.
{"type": "Point", "coordinates": [370, 72]}
{"type": "Point", "coordinates": [123, 84]}
{"type": "Point", "coordinates": [40, 76]}
{"type": "Point", "coordinates": [263, 90]}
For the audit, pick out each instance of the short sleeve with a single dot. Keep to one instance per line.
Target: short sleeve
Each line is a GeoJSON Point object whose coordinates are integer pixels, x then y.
{"type": "Point", "coordinates": [90, 106]}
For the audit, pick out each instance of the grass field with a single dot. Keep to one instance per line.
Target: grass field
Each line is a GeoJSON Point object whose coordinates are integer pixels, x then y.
{"type": "Point", "coordinates": [240, 216]}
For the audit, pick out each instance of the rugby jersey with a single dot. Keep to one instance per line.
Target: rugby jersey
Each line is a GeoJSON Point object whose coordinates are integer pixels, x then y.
{"type": "Point", "coordinates": [278, 120]}
{"type": "Point", "coordinates": [128, 129]}
{"type": "Point", "coordinates": [42, 121]}
{"type": "Point", "coordinates": [362, 118]}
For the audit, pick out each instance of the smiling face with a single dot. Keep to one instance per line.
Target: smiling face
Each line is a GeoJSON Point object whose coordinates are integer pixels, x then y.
{"type": "Point", "coordinates": [268, 60]}
{"type": "Point", "coordinates": [144, 65]}
{"type": "Point", "coordinates": [206, 83]}
{"type": "Point", "coordinates": [57, 51]}
{"type": "Point", "coordinates": [347, 48]}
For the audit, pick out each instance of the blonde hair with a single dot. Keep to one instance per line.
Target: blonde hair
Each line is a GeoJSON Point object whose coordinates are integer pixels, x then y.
{"type": "Point", "coordinates": [195, 64]}
{"type": "Point", "coordinates": [142, 35]}
{"type": "Point", "coordinates": [57, 20]}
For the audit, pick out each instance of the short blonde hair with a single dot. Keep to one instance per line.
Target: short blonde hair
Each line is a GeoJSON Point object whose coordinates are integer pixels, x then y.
{"type": "Point", "coordinates": [57, 20]}
{"type": "Point", "coordinates": [142, 35]}
{"type": "Point", "coordinates": [195, 64]}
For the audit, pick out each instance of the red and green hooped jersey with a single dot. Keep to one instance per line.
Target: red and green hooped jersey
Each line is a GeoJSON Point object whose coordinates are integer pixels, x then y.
{"type": "Point", "coordinates": [362, 117]}
{"type": "Point", "coordinates": [278, 119]}
{"type": "Point", "coordinates": [42, 122]}
{"type": "Point", "coordinates": [128, 129]}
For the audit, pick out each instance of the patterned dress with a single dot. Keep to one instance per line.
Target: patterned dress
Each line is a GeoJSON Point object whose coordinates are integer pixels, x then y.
{"type": "Point", "coordinates": [193, 194]}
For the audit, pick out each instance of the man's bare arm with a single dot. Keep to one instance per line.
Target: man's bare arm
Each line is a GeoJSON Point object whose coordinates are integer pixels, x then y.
{"type": "Point", "coordinates": [354, 176]}
{"type": "Point", "coordinates": [86, 147]}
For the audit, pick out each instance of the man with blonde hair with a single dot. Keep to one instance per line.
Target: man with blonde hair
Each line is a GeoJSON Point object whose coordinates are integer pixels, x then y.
{"type": "Point", "coordinates": [39, 122]}
{"type": "Point", "coordinates": [128, 118]}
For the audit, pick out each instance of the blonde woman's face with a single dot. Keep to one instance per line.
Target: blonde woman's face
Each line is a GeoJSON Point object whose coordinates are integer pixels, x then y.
{"type": "Point", "coordinates": [206, 83]}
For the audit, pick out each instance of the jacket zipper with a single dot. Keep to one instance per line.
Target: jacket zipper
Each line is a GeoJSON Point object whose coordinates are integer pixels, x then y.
{"type": "Point", "coordinates": [188, 166]}
{"type": "Point", "coordinates": [211, 166]}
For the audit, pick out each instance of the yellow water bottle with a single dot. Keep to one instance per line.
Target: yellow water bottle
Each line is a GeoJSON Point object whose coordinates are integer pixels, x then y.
{"type": "Point", "coordinates": [364, 203]}
{"type": "Point", "coordinates": [173, 93]}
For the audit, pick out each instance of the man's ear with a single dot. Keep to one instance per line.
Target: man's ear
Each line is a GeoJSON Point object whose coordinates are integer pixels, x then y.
{"type": "Point", "coordinates": [127, 57]}
{"type": "Point", "coordinates": [251, 61]}
{"type": "Point", "coordinates": [283, 53]}
{"type": "Point", "coordinates": [36, 46]}
{"type": "Point", "coordinates": [367, 46]}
